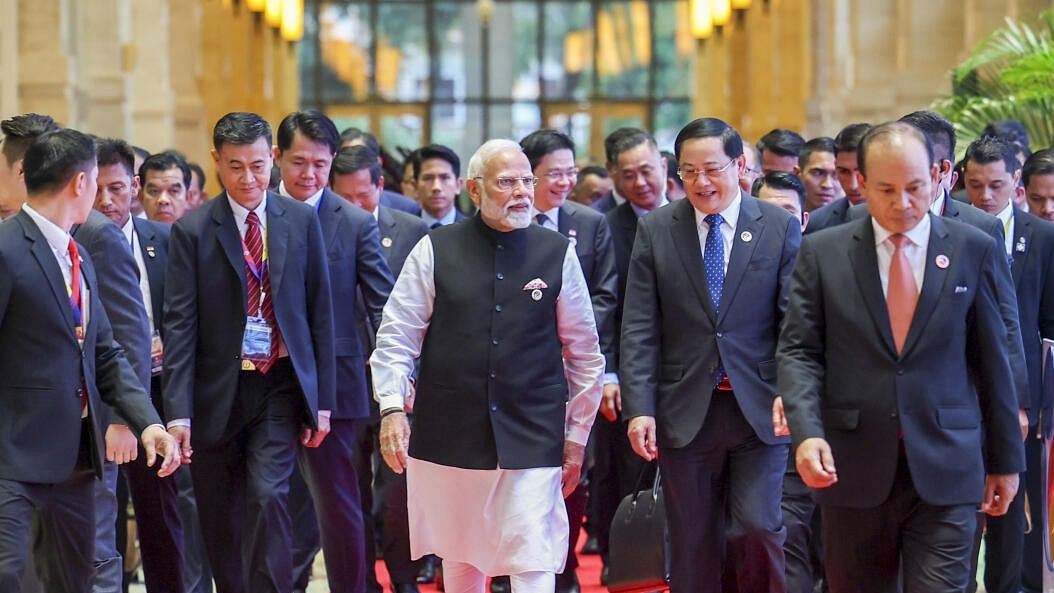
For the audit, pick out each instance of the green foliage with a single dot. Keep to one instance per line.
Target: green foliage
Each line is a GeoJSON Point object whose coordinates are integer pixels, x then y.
{"type": "Point", "coordinates": [1009, 75]}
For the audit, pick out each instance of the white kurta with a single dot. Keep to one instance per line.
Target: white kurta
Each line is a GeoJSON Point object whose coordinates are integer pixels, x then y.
{"type": "Point", "coordinates": [500, 521]}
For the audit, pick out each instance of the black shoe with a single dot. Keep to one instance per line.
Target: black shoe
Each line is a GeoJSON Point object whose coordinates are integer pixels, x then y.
{"type": "Point", "coordinates": [604, 576]}
{"type": "Point", "coordinates": [567, 582]}
{"type": "Point", "coordinates": [500, 585]}
{"type": "Point", "coordinates": [427, 572]}
{"type": "Point", "coordinates": [591, 546]}
{"type": "Point", "coordinates": [405, 588]}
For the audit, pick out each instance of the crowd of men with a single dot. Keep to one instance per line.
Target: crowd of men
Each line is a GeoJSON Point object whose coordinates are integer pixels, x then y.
{"type": "Point", "coordinates": [458, 388]}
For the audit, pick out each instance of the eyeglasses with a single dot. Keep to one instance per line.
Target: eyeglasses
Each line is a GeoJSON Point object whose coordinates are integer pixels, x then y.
{"type": "Point", "coordinates": [712, 174]}
{"type": "Point", "coordinates": [555, 175]}
{"type": "Point", "coordinates": [507, 183]}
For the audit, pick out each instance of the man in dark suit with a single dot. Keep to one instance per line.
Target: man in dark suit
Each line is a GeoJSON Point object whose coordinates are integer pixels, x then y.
{"type": "Point", "coordinates": [638, 173]}
{"type": "Point", "coordinates": [437, 176]}
{"type": "Point", "coordinates": [845, 162]}
{"type": "Point", "coordinates": [307, 143]}
{"type": "Point", "coordinates": [903, 382]}
{"type": "Point", "coordinates": [779, 149]}
{"type": "Point", "coordinates": [50, 309]}
{"type": "Point", "coordinates": [356, 177]}
{"type": "Point", "coordinates": [992, 172]}
{"type": "Point", "coordinates": [704, 302]}
{"type": "Point", "coordinates": [818, 173]}
{"type": "Point", "coordinates": [249, 356]}
{"type": "Point", "coordinates": [145, 244]}
{"type": "Point", "coordinates": [389, 199]}
{"type": "Point", "coordinates": [552, 158]}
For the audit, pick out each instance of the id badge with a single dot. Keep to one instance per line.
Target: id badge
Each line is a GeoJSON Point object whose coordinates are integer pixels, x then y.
{"type": "Point", "coordinates": [156, 354]}
{"type": "Point", "coordinates": [256, 344]}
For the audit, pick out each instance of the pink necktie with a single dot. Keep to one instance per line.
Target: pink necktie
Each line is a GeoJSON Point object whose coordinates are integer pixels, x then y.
{"type": "Point", "coordinates": [902, 294]}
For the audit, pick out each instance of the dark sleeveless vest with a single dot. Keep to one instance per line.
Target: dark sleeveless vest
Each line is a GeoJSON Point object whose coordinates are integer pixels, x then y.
{"type": "Point", "coordinates": [491, 390]}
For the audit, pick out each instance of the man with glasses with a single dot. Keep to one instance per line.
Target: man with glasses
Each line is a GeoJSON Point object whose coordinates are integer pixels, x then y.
{"type": "Point", "coordinates": [704, 302]}
{"type": "Point", "coordinates": [505, 434]}
{"type": "Point", "coordinates": [437, 178]}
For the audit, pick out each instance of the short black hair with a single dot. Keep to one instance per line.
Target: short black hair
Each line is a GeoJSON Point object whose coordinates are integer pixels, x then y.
{"type": "Point", "coordinates": [1009, 129]}
{"type": "Point", "coordinates": [436, 151]}
{"type": "Point", "coordinates": [671, 167]}
{"type": "Point", "coordinates": [710, 127]}
{"type": "Point", "coordinates": [782, 142]}
{"type": "Point", "coordinates": [353, 134]}
{"type": "Point", "coordinates": [597, 170]}
{"type": "Point", "coordinates": [313, 125]}
{"type": "Point", "coordinates": [140, 152]}
{"type": "Point", "coordinates": [848, 140]}
{"type": "Point", "coordinates": [411, 160]}
{"type": "Point", "coordinates": [624, 139]}
{"type": "Point", "coordinates": [938, 130]}
{"type": "Point", "coordinates": [539, 143]}
{"type": "Point", "coordinates": [892, 128]}
{"type": "Point", "coordinates": [196, 168]}
{"type": "Point", "coordinates": [819, 144]}
{"type": "Point", "coordinates": [53, 158]}
{"type": "Point", "coordinates": [20, 131]}
{"type": "Point", "coordinates": [352, 159]}
{"type": "Point", "coordinates": [780, 180]}
{"type": "Point", "coordinates": [989, 149]}
{"type": "Point", "coordinates": [113, 151]}
{"type": "Point", "coordinates": [1040, 163]}
{"type": "Point", "coordinates": [163, 161]}
{"type": "Point", "coordinates": [240, 128]}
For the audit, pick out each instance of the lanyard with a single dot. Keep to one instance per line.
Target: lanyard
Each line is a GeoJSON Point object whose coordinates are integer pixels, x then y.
{"type": "Point", "coordinates": [257, 273]}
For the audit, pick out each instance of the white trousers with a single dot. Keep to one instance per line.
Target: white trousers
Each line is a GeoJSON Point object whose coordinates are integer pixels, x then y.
{"type": "Point", "coordinates": [460, 577]}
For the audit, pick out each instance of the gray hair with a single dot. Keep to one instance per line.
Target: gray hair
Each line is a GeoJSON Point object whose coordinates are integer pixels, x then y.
{"type": "Point", "coordinates": [487, 151]}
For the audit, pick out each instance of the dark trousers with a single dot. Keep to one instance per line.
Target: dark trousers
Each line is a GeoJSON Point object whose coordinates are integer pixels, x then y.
{"type": "Point", "coordinates": [722, 494]}
{"type": "Point", "coordinates": [799, 518]}
{"type": "Point", "coordinates": [575, 504]}
{"type": "Point", "coordinates": [197, 576]}
{"type": "Point", "coordinates": [329, 473]}
{"type": "Point", "coordinates": [1014, 559]}
{"type": "Point", "coordinates": [903, 544]}
{"type": "Point", "coordinates": [613, 476]}
{"type": "Point", "coordinates": [63, 539]}
{"type": "Point", "coordinates": [242, 485]}
{"type": "Point", "coordinates": [384, 511]}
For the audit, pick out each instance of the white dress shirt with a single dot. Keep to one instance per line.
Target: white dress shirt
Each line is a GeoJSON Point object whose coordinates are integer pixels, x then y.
{"type": "Point", "coordinates": [1006, 217]}
{"type": "Point", "coordinates": [312, 200]}
{"type": "Point", "coordinates": [919, 238]}
{"type": "Point", "coordinates": [728, 227]}
{"type": "Point", "coordinates": [59, 242]}
{"type": "Point", "coordinates": [447, 219]}
{"type": "Point", "coordinates": [144, 281]}
{"type": "Point", "coordinates": [552, 216]}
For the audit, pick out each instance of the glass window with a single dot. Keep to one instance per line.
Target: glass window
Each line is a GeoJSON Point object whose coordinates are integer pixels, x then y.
{"type": "Point", "coordinates": [513, 52]}
{"type": "Point", "coordinates": [344, 39]}
{"type": "Point", "coordinates": [458, 126]}
{"type": "Point", "coordinates": [401, 53]}
{"type": "Point", "coordinates": [623, 48]}
{"type": "Point", "coordinates": [567, 51]}
{"type": "Point", "coordinates": [403, 130]}
{"type": "Point", "coordinates": [674, 50]}
{"type": "Point", "coordinates": [514, 120]}
{"type": "Point", "coordinates": [669, 118]}
{"type": "Point", "coordinates": [459, 45]}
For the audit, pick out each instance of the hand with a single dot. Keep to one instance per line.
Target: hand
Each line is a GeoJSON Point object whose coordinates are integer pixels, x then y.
{"type": "Point", "coordinates": [815, 463]}
{"type": "Point", "coordinates": [313, 438]}
{"type": "Point", "coordinates": [641, 434]}
{"type": "Point", "coordinates": [182, 436]}
{"type": "Point", "coordinates": [999, 490]}
{"type": "Point", "coordinates": [395, 440]}
{"type": "Point", "coordinates": [1022, 421]}
{"type": "Point", "coordinates": [158, 442]}
{"type": "Point", "coordinates": [121, 445]}
{"type": "Point", "coordinates": [574, 455]}
{"type": "Point", "coordinates": [779, 419]}
{"type": "Point", "coordinates": [611, 403]}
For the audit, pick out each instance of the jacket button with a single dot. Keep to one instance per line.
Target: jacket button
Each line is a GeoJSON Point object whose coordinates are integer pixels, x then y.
{"type": "Point", "coordinates": [893, 415]}
{"type": "Point", "coordinates": [494, 408]}
{"type": "Point", "coordinates": [493, 374]}
{"type": "Point", "coordinates": [500, 276]}
{"type": "Point", "coordinates": [494, 341]}
{"type": "Point", "coordinates": [501, 247]}
{"type": "Point", "coordinates": [497, 308]}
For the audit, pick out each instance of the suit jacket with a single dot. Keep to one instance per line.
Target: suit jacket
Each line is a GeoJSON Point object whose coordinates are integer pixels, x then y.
{"type": "Point", "coordinates": [954, 210]}
{"type": "Point", "coordinates": [832, 214]}
{"type": "Point", "coordinates": [40, 425]}
{"type": "Point", "coordinates": [605, 204]}
{"type": "Point", "coordinates": [842, 379]}
{"type": "Point", "coordinates": [400, 232]}
{"type": "Point", "coordinates": [153, 243]}
{"type": "Point", "coordinates": [588, 230]}
{"type": "Point", "coordinates": [1032, 267]}
{"type": "Point", "coordinates": [118, 277]}
{"type": "Point", "coordinates": [398, 201]}
{"type": "Point", "coordinates": [205, 300]}
{"type": "Point", "coordinates": [356, 263]}
{"type": "Point", "coordinates": [672, 339]}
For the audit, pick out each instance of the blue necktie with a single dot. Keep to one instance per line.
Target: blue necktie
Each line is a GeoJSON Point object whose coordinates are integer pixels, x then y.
{"type": "Point", "coordinates": [714, 264]}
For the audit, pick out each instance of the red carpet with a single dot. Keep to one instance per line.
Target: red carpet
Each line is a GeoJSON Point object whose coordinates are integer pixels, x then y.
{"type": "Point", "coordinates": [588, 575]}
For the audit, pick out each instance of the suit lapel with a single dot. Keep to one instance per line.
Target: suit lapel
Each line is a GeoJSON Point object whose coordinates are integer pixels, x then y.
{"type": "Point", "coordinates": [932, 281]}
{"type": "Point", "coordinates": [686, 241]}
{"type": "Point", "coordinates": [277, 243]}
{"type": "Point", "coordinates": [229, 237]}
{"type": "Point", "coordinates": [153, 261]}
{"type": "Point", "coordinates": [742, 251]}
{"type": "Point", "coordinates": [564, 222]}
{"type": "Point", "coordinates": [1022, 238]}
{"type": "Point", "coordinates": [864, 259]}
{"type": "Point", "coordinates": [41, 251]}
{"type": "Point", "coordinates": [329, 203]}
{"type": "Point", "coordinates": [389, 231]}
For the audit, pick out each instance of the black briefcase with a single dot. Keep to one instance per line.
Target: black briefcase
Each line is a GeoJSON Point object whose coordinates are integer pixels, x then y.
{"type": "Point", "coordinates": [639, 543]}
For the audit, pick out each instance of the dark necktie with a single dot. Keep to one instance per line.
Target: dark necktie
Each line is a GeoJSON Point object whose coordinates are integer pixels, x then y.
{"type": "Point", "coordinates": [436, 225]}
{"type": "Point", "coordinates": [714, 264]}
{"type": "Point", "coordinates": [541, 219]}
{"type": "Point", "coordinates": [258, 284]}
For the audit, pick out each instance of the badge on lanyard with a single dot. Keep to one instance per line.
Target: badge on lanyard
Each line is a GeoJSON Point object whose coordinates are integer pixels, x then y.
{"type": "Point", "coordinates": [157, 351]}
{"type": "Point", "coordinates": [256, 343]}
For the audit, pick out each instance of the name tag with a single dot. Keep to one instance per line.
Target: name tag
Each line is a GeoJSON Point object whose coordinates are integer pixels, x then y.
{"type": "Point", "coordinates": [157, 354]}
{"type": "Point", "coordinates": [256, 343]}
